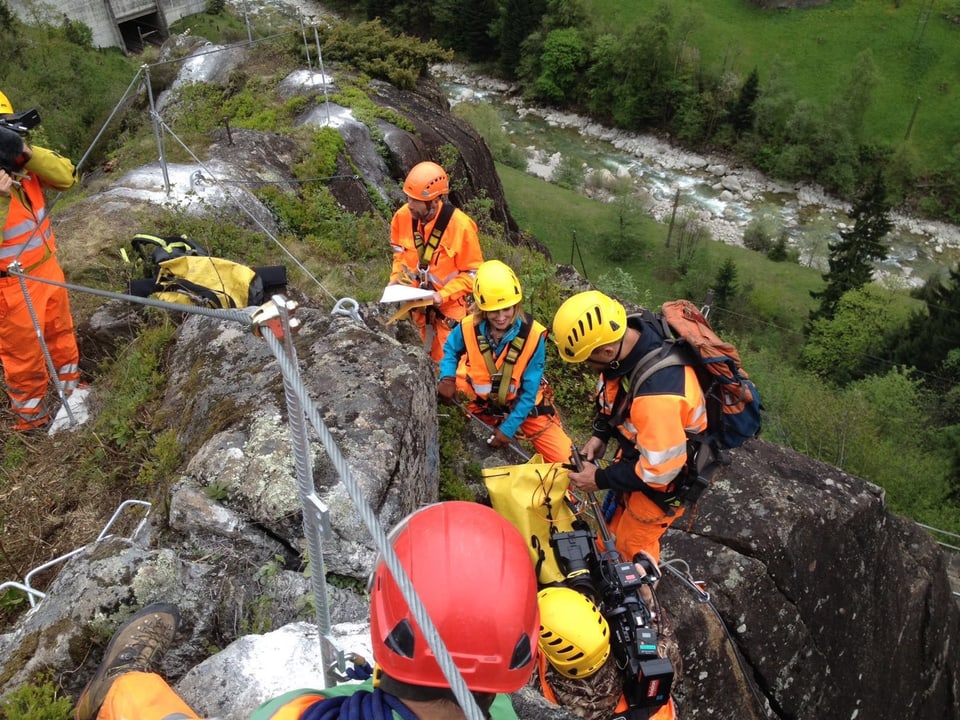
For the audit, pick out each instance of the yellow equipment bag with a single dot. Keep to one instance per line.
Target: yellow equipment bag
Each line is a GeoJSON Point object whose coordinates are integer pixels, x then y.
{"type": "Point", "coordinates": [531, 497]}
{"type": "Point", "coordinates": [207, 282]}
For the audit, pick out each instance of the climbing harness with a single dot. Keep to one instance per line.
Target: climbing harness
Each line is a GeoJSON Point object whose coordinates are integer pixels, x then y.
{"type": "Point", "coordinates": [426, 248]}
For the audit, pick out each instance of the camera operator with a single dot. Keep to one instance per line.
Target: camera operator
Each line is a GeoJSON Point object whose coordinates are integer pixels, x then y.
{"type": "Point", "coordinates": [28, 241]}
{"type": "Point", "coordinates": [577, 669]}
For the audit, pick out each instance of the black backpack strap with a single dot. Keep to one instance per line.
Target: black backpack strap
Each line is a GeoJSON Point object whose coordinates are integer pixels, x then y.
{"type": "Point", "coordinates": [666, 355]}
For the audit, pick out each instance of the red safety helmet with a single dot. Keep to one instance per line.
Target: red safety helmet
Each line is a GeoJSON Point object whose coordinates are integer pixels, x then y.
{"type": "Point", "coordinates": [471, 569]}
{"type": "Point", "coordinates": [426, 181]}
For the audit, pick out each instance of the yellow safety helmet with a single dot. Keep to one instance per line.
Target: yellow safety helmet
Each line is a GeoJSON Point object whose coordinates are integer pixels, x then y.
{"type": "Point", "coordinates": [585, 322]}
{"type": "Point", "coordinates": [574, 636]}
{"type": "Point", "coordinates": [5, 107]}
{"type": "Point", "coordinates": [496, 286]}
{"type": "Point", "coordinates": [426, 181]}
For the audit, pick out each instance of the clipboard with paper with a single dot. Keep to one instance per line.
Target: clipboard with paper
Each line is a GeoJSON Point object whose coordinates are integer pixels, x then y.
{"type": "Point", "coordinates": [411, 298]}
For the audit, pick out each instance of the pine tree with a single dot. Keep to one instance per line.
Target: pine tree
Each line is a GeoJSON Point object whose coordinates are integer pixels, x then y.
{"type": "Point", "coordinates": [725, 288]}
{"type": "Point", "coordinates": [932, 333]}
{"type": "Point", "coordinates": [852, 256]}
{"type": "Point", "coordinates": [742, 115]}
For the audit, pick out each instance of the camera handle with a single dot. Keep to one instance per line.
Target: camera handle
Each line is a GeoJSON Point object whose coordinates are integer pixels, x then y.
{"type": "Point", "coordinates": [609, 540]}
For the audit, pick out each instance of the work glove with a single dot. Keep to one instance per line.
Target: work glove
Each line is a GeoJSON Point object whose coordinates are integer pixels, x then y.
{"type": "Point", "coordinates": [498, 439]}
{"type": "Point", "coordinates": [447, 390]}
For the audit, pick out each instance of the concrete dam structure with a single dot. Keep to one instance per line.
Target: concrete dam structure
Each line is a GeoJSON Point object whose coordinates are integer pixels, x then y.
{"type": "Point", "coordinates": [126, 24]}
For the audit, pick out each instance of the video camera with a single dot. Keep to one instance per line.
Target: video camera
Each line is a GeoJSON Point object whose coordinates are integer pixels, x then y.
{"type": "Point", "coordinates": [13, 128]}
{"type": "Point", "coordinates": [614, 585]}
{"type": "Point", "coordinates": [21, 122]}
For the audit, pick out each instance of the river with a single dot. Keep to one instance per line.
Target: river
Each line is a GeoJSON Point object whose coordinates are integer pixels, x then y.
{"type": "Point", "coordinates": [722, 194]}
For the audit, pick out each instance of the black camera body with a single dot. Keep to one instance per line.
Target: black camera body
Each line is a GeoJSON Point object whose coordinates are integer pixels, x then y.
{"type": "Point", "coordinates": [21, 122]}
{"type": "Point", "coordinates": [13, 129]}
{"type": "Point", "coordinates": [614, 585]}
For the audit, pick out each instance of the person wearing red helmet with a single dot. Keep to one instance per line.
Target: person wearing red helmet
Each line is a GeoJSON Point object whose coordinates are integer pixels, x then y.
{"type": "Point", "coordinates": [483, 605]}
{"type": "Point", "coordinates": [435, 246]}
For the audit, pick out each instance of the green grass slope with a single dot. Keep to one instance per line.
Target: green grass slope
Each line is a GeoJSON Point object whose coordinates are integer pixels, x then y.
{"type": "Point", "coordinates": [915, 45]}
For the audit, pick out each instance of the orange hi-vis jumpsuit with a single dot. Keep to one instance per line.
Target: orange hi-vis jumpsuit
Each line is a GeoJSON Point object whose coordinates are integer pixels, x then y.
{"type": "Point", "coordinates": [653, 444]}
{"type": "Point", "coordinates": [524, 407]}
{"type": "Point", "coordinates": [450, 269]}
{"type": "Point", "coordinates": [28, 239]}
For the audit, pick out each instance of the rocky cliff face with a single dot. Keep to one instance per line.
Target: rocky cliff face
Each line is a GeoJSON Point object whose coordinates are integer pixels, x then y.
{"type": "Point", "coordinates": [822, 604]}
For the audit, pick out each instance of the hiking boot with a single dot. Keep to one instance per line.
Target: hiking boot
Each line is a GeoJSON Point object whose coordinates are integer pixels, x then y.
{"type": "Point", "coordinates": [135, 647]}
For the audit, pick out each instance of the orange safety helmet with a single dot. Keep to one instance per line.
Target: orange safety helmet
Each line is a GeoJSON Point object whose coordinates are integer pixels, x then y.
{"type": "Point", "coordinates": [426, 181]}
{"type": "Point", "coordinates": [5, 107]}
{"type": "Point", "coordinates": [471, 569]}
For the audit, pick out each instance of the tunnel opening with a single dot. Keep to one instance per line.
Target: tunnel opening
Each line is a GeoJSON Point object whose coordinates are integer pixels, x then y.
{"type": "Point", "coordinates": [141, 31]}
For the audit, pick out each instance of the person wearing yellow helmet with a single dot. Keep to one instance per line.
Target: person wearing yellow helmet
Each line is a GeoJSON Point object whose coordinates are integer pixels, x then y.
{"type": "Point", "coordinates": [503, 353]}
{"type": "Point", "coordinates": [576, 668]}
{"type": "Point", "coordinates": [651, 434]}
{"type": "Point", "coordinates": [435, 246]}
{"type": "Point", "coordinates": [29, 246]}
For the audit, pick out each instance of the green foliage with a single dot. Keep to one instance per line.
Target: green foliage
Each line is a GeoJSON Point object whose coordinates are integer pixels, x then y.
{"type": "Point", "coordinates": [320, 162]}
{"type": "Point", "coordinates": [215, 7]}
{"type": "Point", "coordinates": [136, 378]}
{"type": "Point", "coordinates": [163, 458]}
{"type": "Point", "coordinates": [73, 105]}
{"type": "Point", "coordinates": [217, 490]}
{"type": "Point", "coordinates": [780, 252]}
{"type": "Point", "coordinates": [874, 429]}
{"type": "Point", "coordinates": [759, 233]}
{"type": "Point", "coordinates": [14, 453]}
{"type": "Point", "coordinates": [77, 32]}
{"type": "Point", "coordinates": [852, 256]}
{"type": "Point", "coordinates": [516, 20]}
{"type": "Point", "coordinates": [850, 344]}
{"type": "Point", "coordinates": [929, 340]}
{"type": "Point", "coordinates": [617, 281]}
{"type": "Point", "coordinates": [201, 107]}
{"type": "Point", "coordinates": [626, 239]}
{"type": "Point", "coordinates": [315, 215]}
{"type": "Point", "coordinates": [453, 486]}
{"type": "Point", "coordinates": [485, 119]}
{"type": "Point", "coordinates": [725, 287]}
{"type": "Point", "coordinates": [742, 114]}
{"type": "Point", "coordinates": [225, 27]}
{"type": "Point", "coordinates": [371, 48]}
{"type": "Point", "coordinates": [11, 599]}
{"type": "Point", "coordinates": [568, 173]}
{"type": "Point", "coordinates": [561, 61]}
{"type": "Point", "coordinates": [37, 700]}
{"type": "Point", "coordinates": [218, 231]}
{"type": "Point", "coordinates": [366, 111]}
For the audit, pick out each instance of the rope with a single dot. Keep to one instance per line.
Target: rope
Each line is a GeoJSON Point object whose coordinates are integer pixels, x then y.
{"type": "Point", "coordinates": [243, 206]}
{"type": "Point", "coordinates": [361, 705]}
{"type": "Point", "coordinates": [704, 597]}
{"type": "Point", "coordinates": [241, 316]}
{"type": "Point", "coordinates": [291, 375]}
